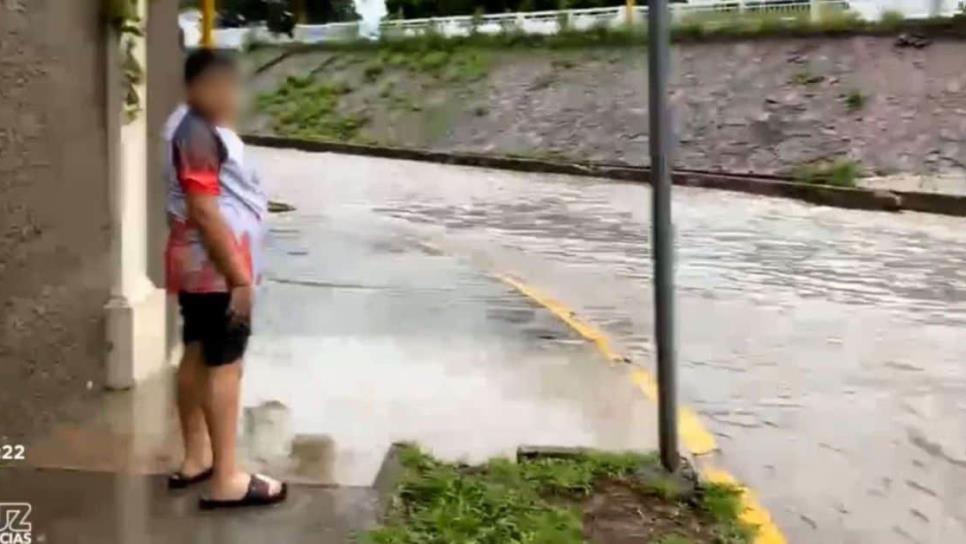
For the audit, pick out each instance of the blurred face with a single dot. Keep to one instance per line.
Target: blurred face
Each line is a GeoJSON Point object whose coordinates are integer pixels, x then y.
{"type": "Point", "coordinates": [217, 95]}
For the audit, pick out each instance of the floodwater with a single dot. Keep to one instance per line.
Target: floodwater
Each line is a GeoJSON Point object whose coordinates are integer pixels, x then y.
{"type": "Point", "coordinates": [363, 339]}
{"type": "Point", "coordinates": [823, 347]}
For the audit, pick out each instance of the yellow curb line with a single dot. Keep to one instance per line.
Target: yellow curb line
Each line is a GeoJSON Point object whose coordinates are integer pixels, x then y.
{"type": "Point", "coordinates": [694, 435]}
{"type": "Point", "coordinates": [567, 316]}
{"type": "Point", "coordinates": [754, 514]}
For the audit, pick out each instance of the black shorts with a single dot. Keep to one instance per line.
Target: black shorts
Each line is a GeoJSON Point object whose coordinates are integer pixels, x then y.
{"type": "Point", "coordinates": [206, 320]}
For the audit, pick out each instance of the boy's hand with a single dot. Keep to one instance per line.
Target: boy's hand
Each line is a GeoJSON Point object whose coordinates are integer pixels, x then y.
{"type": "Point", "coordinates": [240, 306]}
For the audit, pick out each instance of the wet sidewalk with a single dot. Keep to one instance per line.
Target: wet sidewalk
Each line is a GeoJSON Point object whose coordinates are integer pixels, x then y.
{"type": "Point", "coordinates": [362, 338]}
{"type": "Point", "coordinates": [82, 507]}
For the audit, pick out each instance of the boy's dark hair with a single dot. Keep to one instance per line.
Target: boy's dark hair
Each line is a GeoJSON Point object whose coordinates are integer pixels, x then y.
{"type": "Point", "coordinates": [202, 61]}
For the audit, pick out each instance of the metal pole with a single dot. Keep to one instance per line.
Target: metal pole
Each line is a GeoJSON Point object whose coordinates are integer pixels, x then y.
{"type": "Point", "coordinates": [207, 23]}
{"type": "Point", "coordinates": [662, 243]}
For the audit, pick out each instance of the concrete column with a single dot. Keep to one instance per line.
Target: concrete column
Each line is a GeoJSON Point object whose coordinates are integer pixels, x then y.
{"type": "Point", "coordinates": [136, 309]}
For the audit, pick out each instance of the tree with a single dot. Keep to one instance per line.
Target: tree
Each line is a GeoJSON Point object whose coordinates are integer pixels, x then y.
{"type": "Point", "coordinates": [308, 11]}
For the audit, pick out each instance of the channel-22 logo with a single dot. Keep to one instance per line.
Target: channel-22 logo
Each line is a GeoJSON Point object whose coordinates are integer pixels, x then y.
{"type": "Point", "coordinates": [14, 525]}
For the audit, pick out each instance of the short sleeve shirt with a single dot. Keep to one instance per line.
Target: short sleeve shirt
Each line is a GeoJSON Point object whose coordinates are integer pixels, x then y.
{"type": "Point", "coordinates": [209, 160]}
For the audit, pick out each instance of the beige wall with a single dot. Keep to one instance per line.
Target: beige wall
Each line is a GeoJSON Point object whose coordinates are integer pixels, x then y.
{"type": "Point", "coordinates": [55, 213]}
{"type": "Point", "coordinates": [165, 58]}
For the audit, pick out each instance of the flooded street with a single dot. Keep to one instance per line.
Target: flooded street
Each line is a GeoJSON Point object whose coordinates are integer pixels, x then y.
{"type": "Point", "coordinates": [363, 339]}
{"type": "Point", "coordinates": [823, 347]}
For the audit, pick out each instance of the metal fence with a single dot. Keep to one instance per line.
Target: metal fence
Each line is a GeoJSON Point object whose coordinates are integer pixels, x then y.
{"type": "Point", "coordinates": [551, 22]}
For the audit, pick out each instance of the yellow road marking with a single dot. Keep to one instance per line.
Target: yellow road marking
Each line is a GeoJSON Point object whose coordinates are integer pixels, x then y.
{"type": "Point", "coordinates": [754, 513]}
{"type": "Point", "coordinates": [558, 309]}
{"type": "Point", "coordinates": [695, 437]}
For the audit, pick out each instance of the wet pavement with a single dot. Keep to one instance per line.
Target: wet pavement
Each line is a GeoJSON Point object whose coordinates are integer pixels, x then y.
{"type": "Point", "coordinates": [364, 339]}
{"type": "Point", "coordinates": [823, 347]}
{"type": "Point", "coordinates": [79, 507]}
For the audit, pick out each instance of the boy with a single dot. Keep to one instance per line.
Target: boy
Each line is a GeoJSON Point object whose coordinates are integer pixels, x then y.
{"type": "Point", "coordinates": [215, 210]}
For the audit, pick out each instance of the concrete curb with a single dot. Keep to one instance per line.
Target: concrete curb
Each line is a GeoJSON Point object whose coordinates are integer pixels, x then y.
{"type": "Point", "coordinates": [530, 453]}
{"type": "Point", "coordinates": [853, 198]}
{"type": "Point", "coordinates": [388, 478]}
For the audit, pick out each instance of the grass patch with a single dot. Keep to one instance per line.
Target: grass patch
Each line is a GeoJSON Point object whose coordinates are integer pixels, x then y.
{"type": "Point", "coordinates": [542, 502]}
{"type": "Point", "coordinates": [855, 100]}
{"type": "Point", "coordinates": [724, 22]}
{"type": "Point", "coordinates": [456, 65]}
{"type": "Point", "coordinates": [302, 107]}
{"type": "Point", "coordinates": [837, 173]}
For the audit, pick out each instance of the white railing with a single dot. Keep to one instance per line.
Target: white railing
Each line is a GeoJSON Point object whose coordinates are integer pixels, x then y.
{"type": "Point", "coordinates": [550, 22]}
{"type": "Point", "coordinates": [534, 22]}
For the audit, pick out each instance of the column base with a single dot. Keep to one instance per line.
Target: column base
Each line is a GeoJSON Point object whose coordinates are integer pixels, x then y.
{"type": "Point", "coordinates": [136, 335]}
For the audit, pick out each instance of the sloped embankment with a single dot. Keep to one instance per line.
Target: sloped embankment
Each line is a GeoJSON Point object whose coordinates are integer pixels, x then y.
{"type": "Point", "coordinates": [768, 106]}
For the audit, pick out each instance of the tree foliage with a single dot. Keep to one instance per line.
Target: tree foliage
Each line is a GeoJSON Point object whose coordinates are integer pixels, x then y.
{"type": "Point", "coordinates": [313, 11]}
{"type": "Point", "coordinates": [413, 9]}
{"type": "Point", "coordinates": [327, 11]}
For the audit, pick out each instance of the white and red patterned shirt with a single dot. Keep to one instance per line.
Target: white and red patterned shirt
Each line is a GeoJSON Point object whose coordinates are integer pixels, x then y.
{"type": "Point", "coordinates": [206, 159]}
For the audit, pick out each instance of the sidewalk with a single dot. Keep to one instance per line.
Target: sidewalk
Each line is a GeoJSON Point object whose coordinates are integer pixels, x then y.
{"type": "Point", "coordinates": [362, 339]}
{"type": "Point", "coordinates": [80, 507]}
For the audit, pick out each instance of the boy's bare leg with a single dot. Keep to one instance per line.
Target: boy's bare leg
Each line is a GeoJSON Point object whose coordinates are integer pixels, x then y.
{"type": "Point", "coordinates": [192, 382]}
{"type": "Point", "coordinates": [222, 402]}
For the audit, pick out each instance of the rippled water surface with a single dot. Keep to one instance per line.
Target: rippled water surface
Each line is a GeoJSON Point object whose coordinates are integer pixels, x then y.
{"type": "Point", "coordinates": [823, 347]}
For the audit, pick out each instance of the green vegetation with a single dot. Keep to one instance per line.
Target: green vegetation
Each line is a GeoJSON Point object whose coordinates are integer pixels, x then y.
{"type": "Point", "coordinates": [832, 19]}
{"type": "Point", "coordinates": [716, 25]}
{"type": "Point", "coordinates": [837, 173]}
{"type": "Point", "coordinates": [412, 9]}
{"type": "Point", "coordinates": [304, 108]}
{"type": "Point", "coordinates": [435, 59]}
{"type": "Point", "coordinates": [314, 11]}
{"type": "Point", "coordinates": [675, 539]}
{"type": "Point", "coordinates": [714, 22]}
{"type": "Point", "coordinates": [806, 77]}
{"type": "Point", "coordinates": [855, 100]}
{"type": "Point", "coordinates": [537, 501]}
{"type": "Point", "coordinates": [892, 20]}
{"type": "Point", "coordinates": [122, 16]}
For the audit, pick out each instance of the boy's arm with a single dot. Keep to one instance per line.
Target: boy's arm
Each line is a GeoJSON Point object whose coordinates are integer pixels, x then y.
{"type": "Point", "coordinates": [198, 163]}
{"type": "Point", "coordinates": [218, 238]}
